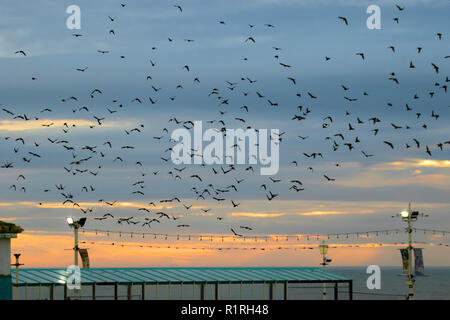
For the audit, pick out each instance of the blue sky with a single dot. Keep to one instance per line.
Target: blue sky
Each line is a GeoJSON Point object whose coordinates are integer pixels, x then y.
{"type": "Point", "coordinates": [367, 191]}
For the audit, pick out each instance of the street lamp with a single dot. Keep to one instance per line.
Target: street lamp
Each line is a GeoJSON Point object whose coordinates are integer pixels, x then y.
{"type": "Point", "coordinates": [17, 265]}
{"type": "Point", "coordinates": [75, 225]}
{"type": "Point", "coordinates": [410, 216]}
{"type": "Point", "coordinates": [323, 249]}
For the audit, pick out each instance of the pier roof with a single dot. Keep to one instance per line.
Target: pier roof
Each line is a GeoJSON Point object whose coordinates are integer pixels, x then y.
{"type": "Point", "coordinates": [58, 276]}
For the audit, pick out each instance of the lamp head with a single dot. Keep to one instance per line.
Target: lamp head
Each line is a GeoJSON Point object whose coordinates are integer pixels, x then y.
{"type": "Point", "coordinates": [76, 224]}
{"type": "Point", "coordinates": [323, 248]}
{"type": "Point", "coordinates": [404, 214]}
{"type": "Point", "coordinates": [81, 222]}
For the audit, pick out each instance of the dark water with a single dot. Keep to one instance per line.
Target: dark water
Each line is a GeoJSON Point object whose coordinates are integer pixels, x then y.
{"type": "Point", "coordinates": [435, 285]}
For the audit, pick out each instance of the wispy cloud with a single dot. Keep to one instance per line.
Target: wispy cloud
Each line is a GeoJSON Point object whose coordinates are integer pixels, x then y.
{"type": "Point", "coordinates": [352, 3]}
{"type": "Point", "coordinates": [257, 214]}
{"type": "Point", "coordinates": [325, 213]}
{"type": "Point", "coordinates": [387, 179]}
{"type": "Point", "coordinates": [59, 205]}
{"type": "Point", "coordinates": [46, 124]}
{"type": "Point", "coordinates": [411, 163]}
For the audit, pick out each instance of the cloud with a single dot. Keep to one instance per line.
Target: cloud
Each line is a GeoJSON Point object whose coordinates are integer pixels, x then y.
{"type": "Point", "coordinates": [325, 213]}
{"type": "Point", "coordinates": [257, 214]}
{"type": "Point", "coordinates": [411, 163]}
{"type": "Point", "coordinates": [46, 126]}
{"type": "Point", "coordinates": [59, 205]}
{"type": "Point", "coordinates": [401, 173]}
{"type": "Point", "coordinates": [387, 179]}
{"type": "Point", "coordinates": [352, 3]}
{"type": "Point", "coordinates": [5, 204]}
{"type": "Point", "coordinates": [435, 163]}
{"type": "Point", "coordinates": [8, 219]}
{"type": "Point", "coordinates": [20, 125]}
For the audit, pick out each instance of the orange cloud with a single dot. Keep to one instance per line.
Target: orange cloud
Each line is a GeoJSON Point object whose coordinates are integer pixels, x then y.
{"type": "Point", "coordinates": [412, 163]}
{"type": "Point", "coordinates": [257, 214]}
{"type": "Point", "coordinates": [8, 219]}
{"type": "Point", "coordinates": [59, 205]}
{"type": "Point", "coordinates": [434, 163]}
{"type": "Point", "coordinates": [20, 125]}
{"type": "Point", "coordinates": [5, 204]}
{"type": "Point", "coordinates": [321, 213]}
{"type": "Point", "coordinates": [14, 219]}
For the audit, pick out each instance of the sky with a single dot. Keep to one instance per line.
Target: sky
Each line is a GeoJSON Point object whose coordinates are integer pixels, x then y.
{"type": "Point", "coordinates": [142, 63]}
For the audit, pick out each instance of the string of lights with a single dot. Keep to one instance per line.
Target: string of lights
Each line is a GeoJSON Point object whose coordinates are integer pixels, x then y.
{"type": "Point", "coordinates": [221, 248]}
{"type": "Point", "coordinates": [270, 237]}
{"type": "Point", "coordinates": [256, 238]}
{"type": "Point", "coordinates": [433, 231]}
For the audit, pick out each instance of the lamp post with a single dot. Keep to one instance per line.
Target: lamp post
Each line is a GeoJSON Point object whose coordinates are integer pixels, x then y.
{"type": "Point", "coordinates": [75, 225]}
{"type": "Point", "coordinates": [410, 282]}
{"type": "Point", "coordinates": [17, 265]}
{"type": "Point", "coordinates": [409, 216]}
{"type": "Point", "coordinates": [323, 248]}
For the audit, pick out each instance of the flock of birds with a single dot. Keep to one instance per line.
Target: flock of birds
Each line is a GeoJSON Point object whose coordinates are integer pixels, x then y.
{"type": "Point", "coordinates": [81, 158]}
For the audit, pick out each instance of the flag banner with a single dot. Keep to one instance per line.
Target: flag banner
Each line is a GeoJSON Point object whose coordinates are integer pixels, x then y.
{"type": "Point", "coordinates": [84, 258]}
{"type": "Point", "coordinates": [405, 260]}
{"type": "Point", "coordinates": [418, 262]}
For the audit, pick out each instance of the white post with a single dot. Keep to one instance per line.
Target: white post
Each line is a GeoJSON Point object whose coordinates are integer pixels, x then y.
{"type": "Point", "coordinates": [410, 281]}
{"type": "Point", "coordinates": [5, 266]}
{"type": "Point", "coordinates": [323, 248]}
{"type": "Point", "coordinates": [75, 248]}
{"type": "Point", "coordinates": [17, 265]}
{"type": "Point", "coordinates": [324, 286]}
{"type": "Point", "coordinates": [77, 292]}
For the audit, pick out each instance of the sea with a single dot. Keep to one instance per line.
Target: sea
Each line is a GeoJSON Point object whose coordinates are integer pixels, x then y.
{"type": "Point", "coordinates": [434, 285]}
